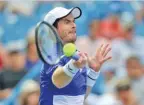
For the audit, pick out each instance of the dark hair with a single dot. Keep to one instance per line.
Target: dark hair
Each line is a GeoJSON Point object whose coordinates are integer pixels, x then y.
{"type": "Point", "coordinates": [135, 58]}
{"type": "Point", "coordinates": [123, 88]}
{"type": "Point", "coordinates": [15, 52]}
{"type": "Point", "coordinates": [55, 24]}
{"type": "Point", "coordinates": [123, 85]}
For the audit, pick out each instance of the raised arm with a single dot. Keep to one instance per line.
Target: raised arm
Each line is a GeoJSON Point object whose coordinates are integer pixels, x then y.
{"type": "Point", "coordinates": [63, 75]}
{"type": "Point", "coordinates": [95, 63]}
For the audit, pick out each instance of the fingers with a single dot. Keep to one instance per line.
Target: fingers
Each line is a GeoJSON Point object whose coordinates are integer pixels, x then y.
{"type": "Point", "coordinates": [106, 52]}
{"type": "Point", "coordinates": [83, 60]}
{"type": "Point", "coordinates": [103, 51]}
{"type": "Point", "coordinates": [86, 54]}
{"type": "Point", "coordinates": [99, 49]}
{"type": "Point", "coordinates": [106, 59]}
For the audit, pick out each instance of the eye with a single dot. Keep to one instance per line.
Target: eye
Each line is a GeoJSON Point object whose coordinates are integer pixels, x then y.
{"type": "Point", "coordinates": [67, 21]}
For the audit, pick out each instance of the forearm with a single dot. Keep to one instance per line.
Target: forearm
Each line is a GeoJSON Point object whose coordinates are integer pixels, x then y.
{"type": "Point", "coordinates": [88, 91]}
{"type": "Point", "coordinates": [62, 76]}
{"type": "Point", "coordinates": [91, 79]}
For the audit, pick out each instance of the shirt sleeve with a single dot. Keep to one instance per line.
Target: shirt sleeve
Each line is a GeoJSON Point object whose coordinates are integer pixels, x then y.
{"type": "Point", "coordinates": [47, 72]}
{"type": "Point", "coordinates": [48, 69]}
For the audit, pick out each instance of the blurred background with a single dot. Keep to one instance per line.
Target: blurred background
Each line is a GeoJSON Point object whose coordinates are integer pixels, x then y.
{"type": "Point", "coordinates": [120, 23]}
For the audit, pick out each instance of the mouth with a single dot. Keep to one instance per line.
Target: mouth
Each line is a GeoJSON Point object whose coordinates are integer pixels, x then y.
{"type": "Point", "coordinates": [72, 32]}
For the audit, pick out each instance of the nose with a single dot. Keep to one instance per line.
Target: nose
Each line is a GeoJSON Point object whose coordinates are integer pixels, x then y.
{"type": "Point", "coordinates": [73, 25]}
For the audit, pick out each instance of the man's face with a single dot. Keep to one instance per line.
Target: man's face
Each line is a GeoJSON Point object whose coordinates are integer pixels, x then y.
{"type": "Point", "coordinates": [67, 29]}
{"type": "Point", "coordinates": [94, 28]}
{"type": "Point", "coordinates": [124, 95]}
{"type": "Point", "coordinates": [134, 68]}
{"type": "Point", "coordinates": [17, 60]}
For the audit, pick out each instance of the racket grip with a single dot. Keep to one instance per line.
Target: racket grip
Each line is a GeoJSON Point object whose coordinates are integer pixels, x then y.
{"type": "Point", "coordinates": [76, 56]}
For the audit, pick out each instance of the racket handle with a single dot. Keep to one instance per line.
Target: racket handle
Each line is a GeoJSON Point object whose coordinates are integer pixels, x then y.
{"type": "Point", "coordinates": [76, 56]}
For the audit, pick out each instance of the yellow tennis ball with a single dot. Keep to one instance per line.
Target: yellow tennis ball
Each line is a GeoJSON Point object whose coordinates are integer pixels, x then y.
{"type": "Point", "coordinates": [69, 49]}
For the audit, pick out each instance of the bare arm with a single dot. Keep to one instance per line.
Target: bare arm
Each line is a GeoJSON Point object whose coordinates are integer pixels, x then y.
{"type": "Point", "coordinates": [88, 91]}
{"type": "Point", "coordinates": [95, 64]}
{"type": "Point", "coordinates": [91, 79]}
{"type": "Point", "coordinates": [62, 76]}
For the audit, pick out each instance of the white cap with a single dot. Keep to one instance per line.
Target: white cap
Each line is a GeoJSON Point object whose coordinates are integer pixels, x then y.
{"type": "Point", "coordinates": [60, 12]}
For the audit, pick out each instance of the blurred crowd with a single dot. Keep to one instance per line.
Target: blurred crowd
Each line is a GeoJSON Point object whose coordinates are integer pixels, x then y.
{"type": "Point", "coordinates": [119, 23]}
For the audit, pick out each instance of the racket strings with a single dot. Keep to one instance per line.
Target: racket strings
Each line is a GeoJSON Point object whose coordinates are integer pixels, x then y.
{"type": "Point", "coordinates": [49, 45]}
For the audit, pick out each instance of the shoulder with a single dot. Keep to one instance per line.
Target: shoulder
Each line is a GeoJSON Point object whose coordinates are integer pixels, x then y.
{"type": "Point", "coordinates": [61, 62]}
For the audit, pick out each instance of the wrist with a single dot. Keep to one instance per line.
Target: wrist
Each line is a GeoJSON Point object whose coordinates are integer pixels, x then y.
{"type": "Point", "coordinates": [70, 69]}
{"type": "Point", "coordinates": [94, 68]}
{"type": "Point", "coordinates": [91, 77]}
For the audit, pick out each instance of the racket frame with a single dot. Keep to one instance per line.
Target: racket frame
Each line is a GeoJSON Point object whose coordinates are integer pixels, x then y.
{"type": "Point", "coordinates": [58, 39]}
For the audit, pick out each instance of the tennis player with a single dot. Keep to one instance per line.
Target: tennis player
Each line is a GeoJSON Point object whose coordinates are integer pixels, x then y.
{"type": "Point", "coordinates": [69, 82]}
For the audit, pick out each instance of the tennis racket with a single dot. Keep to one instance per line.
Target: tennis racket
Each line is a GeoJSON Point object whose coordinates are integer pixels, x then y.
{"type": "Point", "coordinates": [49, 45]}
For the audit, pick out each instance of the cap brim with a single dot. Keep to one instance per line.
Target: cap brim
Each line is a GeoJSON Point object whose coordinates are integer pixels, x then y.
{"type": "Point", "coordinates": [76, 12]}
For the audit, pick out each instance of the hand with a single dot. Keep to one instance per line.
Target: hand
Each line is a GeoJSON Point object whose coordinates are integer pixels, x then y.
{"type": "Point", "coordinates": [81, 62]}
{"type": "Point", "coordinates": [101, 56]}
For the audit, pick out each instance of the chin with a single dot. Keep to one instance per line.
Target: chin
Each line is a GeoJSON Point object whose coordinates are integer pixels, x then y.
{"type": "Point", "coordinates": [71, 41]}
